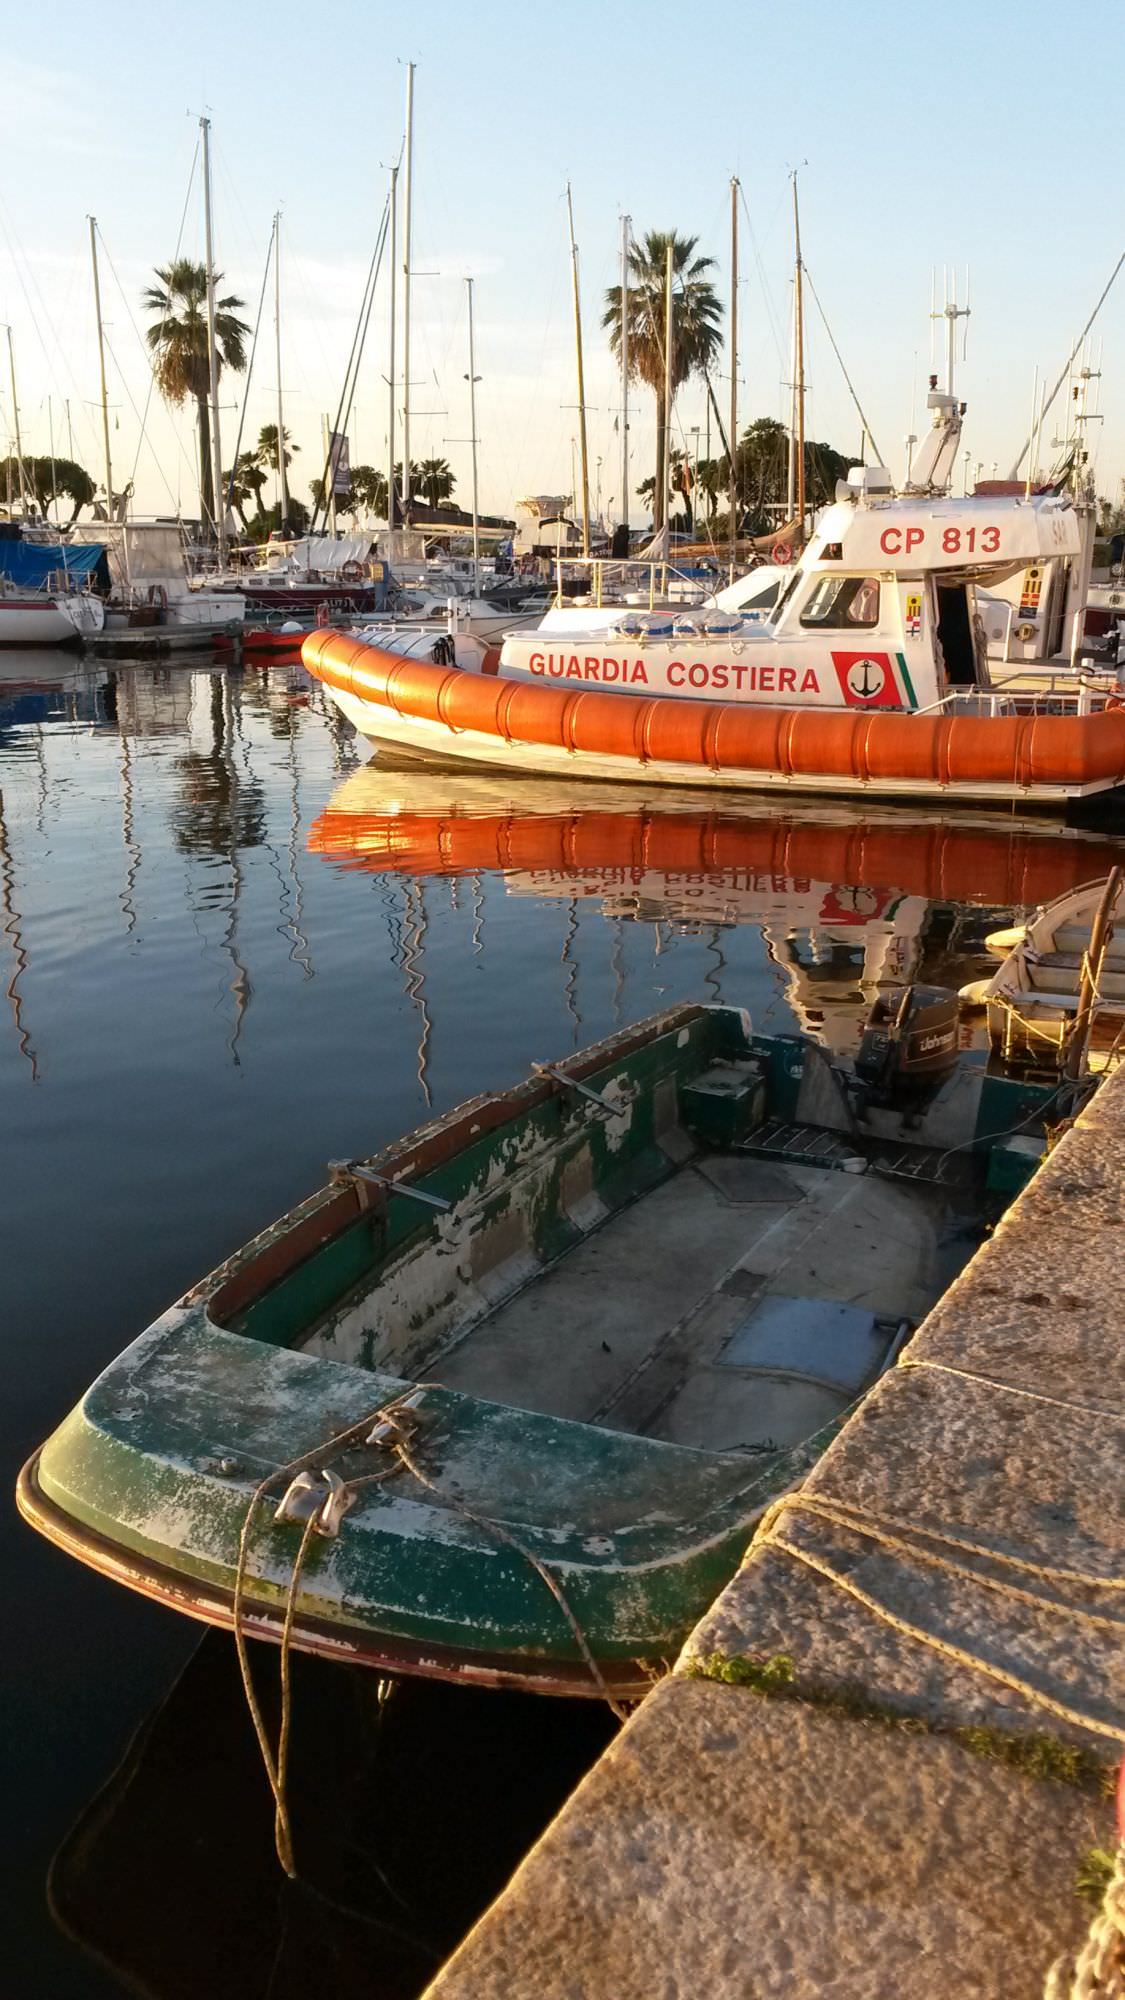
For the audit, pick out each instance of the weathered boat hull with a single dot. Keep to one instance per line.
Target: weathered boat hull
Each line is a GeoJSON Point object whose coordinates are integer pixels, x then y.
{"type": "Point", "coordinates": [448, 713]}
{"type": "Point", "coordinates": [510, 1542]}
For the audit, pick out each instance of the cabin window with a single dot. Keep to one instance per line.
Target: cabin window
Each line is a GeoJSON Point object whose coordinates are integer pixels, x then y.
{"type": "Point", "coordinates": [843, 603]}
{"type": "Point", "coordinates": [786, 594]}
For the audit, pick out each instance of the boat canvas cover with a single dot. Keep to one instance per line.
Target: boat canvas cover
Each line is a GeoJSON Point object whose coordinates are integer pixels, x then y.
{"type": "Point", "coordinates": [139, 552]}
{"type": "Point", "coordinates": [325, 553]}
{"type": "Point", "coordinates": [31, 564]}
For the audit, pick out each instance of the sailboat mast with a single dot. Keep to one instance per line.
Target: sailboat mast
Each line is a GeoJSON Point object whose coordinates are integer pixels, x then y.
{"type": "Point", "coordinates": [283, 521]}
{"type": "Point", "coordinates": [799, 324]}
{"type": "Point", "coordinates": [101, 363]}
{"type": "Point", "coordinates": [54, 474]}
{"type": "Point", "coordinates": [473, 428]}
{"type": "Point", "coordinates": [213, 354]}
{"type": "Point", "coordinates": [581, 380]}
{"type": "Point", "coordinates": [16, 423]}
{"type": "Point", "coordinates": [625, 233]}
{"type": "Point", "coordinates": [669, 377]}
{"type": "Point", "coordinates": [391, 354]}
{"type": "Point", "coordinates": [733, 502]}
{"type": "Point", "coordinates": [407, 235]}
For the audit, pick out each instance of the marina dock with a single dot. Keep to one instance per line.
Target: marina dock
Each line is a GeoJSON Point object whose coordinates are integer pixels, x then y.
{"type": "Point", "coordinates": [883, 1759]}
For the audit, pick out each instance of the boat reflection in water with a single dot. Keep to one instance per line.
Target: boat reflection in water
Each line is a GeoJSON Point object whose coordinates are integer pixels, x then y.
{"type": "Point", "coordinates": [846, 901]}
{"type": "Point", "coordinates": [412, 1804]}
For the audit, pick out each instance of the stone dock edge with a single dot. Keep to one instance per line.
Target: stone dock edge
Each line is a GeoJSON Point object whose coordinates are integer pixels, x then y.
{"type": "Point", "coordinates": [886, 1754]}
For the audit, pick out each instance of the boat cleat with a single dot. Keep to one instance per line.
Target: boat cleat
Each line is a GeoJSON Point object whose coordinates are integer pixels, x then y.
{"type": "Point", "coordinates": [319, 1497]}
{"type": "Point", "coordinates": [390, 1428]}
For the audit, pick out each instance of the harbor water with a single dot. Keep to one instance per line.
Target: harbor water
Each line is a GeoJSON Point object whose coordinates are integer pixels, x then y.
{"type": "Point", "coordinates": [231, 949]}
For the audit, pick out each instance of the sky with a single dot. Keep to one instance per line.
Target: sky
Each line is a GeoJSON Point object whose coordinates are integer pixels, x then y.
{"type": "Point", "coordinates": [965, 137]}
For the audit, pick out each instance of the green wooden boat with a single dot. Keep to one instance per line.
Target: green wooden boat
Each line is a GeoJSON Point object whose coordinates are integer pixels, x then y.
{"type": "Point", "coordinates": [522, 1385]}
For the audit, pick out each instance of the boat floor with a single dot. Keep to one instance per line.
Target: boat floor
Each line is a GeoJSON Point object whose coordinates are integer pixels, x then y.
{"type": "Point", "coordinates": [630, 1329]}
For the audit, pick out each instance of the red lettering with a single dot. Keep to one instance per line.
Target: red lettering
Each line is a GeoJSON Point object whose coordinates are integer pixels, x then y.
{"type": "Point", "coordinates": [990, 540]}
{"type": "Point", "coordinates": [676, 667]}
{"type": "Point", "coordinates": [720, 676]}
{"type": "Point", "coordinates": [738, 670]}
{"type": "Point", "coordinates": [914, 538]}
{"type": "Point", "coordinates": [890, 541]}
{"type": "Point", "coordinates": [537, 663]}
{"type": "Point", "coordinates": [787, 680]}
{"type": "Point", "coordinates": [555, 667]}
{"type": "Point", "coordinates": [951, 541]}
{"type": "Point", "coordinates": [592, 666]}
{"type": "Point", "coordinates": [697, 674]}
{"type": "Point", "coordinates": [766, 680]}
{"type": "Point", "coordinates": [810, 684]}
{"type": "Point", "coordinates": [640, 672]}
{"type": "Point", "coordinates": [606, 665]}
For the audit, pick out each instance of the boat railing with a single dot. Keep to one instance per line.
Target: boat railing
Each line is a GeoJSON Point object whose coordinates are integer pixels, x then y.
{"type": "Point", "coordinates": [633, 579]}
{"type": "Point", "coordinates": [1056, 695]}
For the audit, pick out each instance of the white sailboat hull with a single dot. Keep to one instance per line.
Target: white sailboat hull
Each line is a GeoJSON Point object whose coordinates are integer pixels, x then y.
{"type": "Point", "coordinates": [48, 621]}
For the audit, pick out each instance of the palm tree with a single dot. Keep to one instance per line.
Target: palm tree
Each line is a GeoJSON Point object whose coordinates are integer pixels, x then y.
{"type": "Point", "coordinates": [696, 337]}
{"type": "Point", "coordinates": [244, 484]}
{"type": "Point", "coordinates": [266, 450]}
{"type": "Point", "coordinates": [181, 352]}
{"type": "Point", "coordinates": [369, 491]}
{"type": "Point", "coordinates": [435, 480]}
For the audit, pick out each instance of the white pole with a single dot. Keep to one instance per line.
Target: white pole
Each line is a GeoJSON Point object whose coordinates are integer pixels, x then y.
{"type": "Point", "coordinates": [51, 440]}
{"type": "Point", "coordinates": [213, 354]}
{"type": "Point", "coordinates": [581, 379]}
{"type": "Point", "coordinates": [16, 422]}
{"type": "Point", "coordinates": [625, 233]}
{"type": "Point", "coordinates": [1034, 420]}
{"type": "Point", "coordinates": [733, 536]}
{"type": "Point", "coordinates": [391, 357]}
{"type": "Point", "coordinates": [473, 429]}
{"type": "Point", "coordinates": [101, 362]}
{"type": "Point", "coordinates": [669, 377]}
{"type": "Point", "coordinates": [407, 237]}
{"type": "Point", "coordinates": [791, 479]}
{"type": "Point", "coordinates": [283, 484]}
{"type": "Point", "coordinates": [330, 462]}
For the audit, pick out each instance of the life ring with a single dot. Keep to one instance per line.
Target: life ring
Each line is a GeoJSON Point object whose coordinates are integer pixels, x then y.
{"type": "Point", "coordinates": [158, 595]}
{"type": "Point", "coordinates": [352, 571]}
{"type": "Point", "coordinates": [781, 552]}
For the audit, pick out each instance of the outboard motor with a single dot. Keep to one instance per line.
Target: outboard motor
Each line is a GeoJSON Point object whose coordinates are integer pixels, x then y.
{"type": "Point", "coordinates": [909, 1046]}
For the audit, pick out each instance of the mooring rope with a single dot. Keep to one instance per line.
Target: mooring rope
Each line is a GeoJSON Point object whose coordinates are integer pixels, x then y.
{"type": "Point", "coordinates": [872, 1528]}
{"type": "Point", "coordinates": [1097, 1970]}
{"type": "Point", "coordinates": [397, 1442]}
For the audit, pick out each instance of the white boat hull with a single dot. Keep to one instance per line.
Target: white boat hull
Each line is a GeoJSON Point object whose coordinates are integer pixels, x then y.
{"type": "Point", "coordinates": [381, 724]}
{"type": "Point", "coordinates": [48, 621]}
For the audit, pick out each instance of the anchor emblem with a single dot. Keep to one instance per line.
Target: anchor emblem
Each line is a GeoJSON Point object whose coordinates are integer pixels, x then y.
{"type": "Point", "coordinates": [866, 679]}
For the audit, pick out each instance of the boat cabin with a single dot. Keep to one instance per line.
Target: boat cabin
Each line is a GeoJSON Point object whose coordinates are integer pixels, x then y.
{"type": "Point", "coordinates": [880, 611]}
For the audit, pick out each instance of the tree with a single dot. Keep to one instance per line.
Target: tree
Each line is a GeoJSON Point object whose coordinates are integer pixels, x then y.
{"type": "Point", "coordinates": [261, 525]}
{"type": "Point", "coordinates": [762, 465]}
{"type": "Point", "coordinates": [68, 478]}
{"type": "Point", "coordinates": [266, 450]}
{"type": "Point", "coordinates": [244, 485]}
{"type": "Point", "coordinates": [181, 353]}
{"type": "Point", "coordinates": [696, 336]}
{"type": "Point", "coordinates": [369, 488]}
{"type": "Point", "coordinates": [434, 480]}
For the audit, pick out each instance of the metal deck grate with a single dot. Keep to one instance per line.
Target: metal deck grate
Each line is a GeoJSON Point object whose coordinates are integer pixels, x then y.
{"type": "Point", "coordinates": [816, 1146]}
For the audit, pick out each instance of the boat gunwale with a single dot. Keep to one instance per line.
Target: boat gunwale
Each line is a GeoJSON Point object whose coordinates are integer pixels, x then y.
{"type": "Point", "coordinates": [211, 1604]}
{"type": "Point", "coordinates": [319, 1218]}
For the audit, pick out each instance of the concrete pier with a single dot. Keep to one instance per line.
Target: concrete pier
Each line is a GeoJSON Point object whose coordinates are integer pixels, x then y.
{"type": "Point", "coordinates": [886, 1751]}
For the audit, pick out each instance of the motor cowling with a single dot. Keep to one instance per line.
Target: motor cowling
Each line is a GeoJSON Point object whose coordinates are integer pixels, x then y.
{"type": "Point", "coordinates": [910, 1043]}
